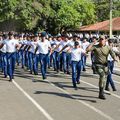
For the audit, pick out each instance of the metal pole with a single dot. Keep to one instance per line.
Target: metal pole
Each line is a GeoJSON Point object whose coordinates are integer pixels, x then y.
{"type": "Point", "coordinates": [111, 5]}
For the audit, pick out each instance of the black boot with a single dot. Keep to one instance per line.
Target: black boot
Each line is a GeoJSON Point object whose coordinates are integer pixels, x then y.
{"type": "Point", "coordinates": [107, 88]}
{"type": "Point", "coordinates": [101, 93]}
{"type": "Point", "coordinates": [114, 89]}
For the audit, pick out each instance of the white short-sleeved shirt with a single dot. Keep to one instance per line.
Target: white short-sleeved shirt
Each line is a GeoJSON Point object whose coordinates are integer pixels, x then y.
{"type": "Point", "coordinates": [109, 56]}
{"type": "Point", "coordinates": [11, 45]}
{"type": "Point", "coordinates": [60, 46]}
{"type": "Point", "coordinates": [33, 46]}
{"type": "Point", "coordinates": [64, 43]}
{"type": "Point", "coordinates": [76, 54]}
{"type": "Point", "coordinates": [43, 47]}
{"type": "Point", "coordinates": [3, 49]}
{"type": "Point", "coordinates": [85, 45]}
{"type": "Point", "coordinates": [72, 43]}
{"type": "Point", "coordinates": [52, 43]}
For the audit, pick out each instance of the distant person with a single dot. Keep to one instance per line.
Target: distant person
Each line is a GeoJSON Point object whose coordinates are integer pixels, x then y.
{"type": "Point", "coordinates": [111, 67]}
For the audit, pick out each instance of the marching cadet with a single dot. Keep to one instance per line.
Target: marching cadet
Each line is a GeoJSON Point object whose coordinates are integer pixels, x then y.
{"type": "Point", "coordinates": [101, 52]}
{"type": "Point", "coordinates": [111, 67]}
{"type": "Point", "coordinates": [35, 57]}
{"type": "Point", "coordinates": [43, 47]}
{"type": "Point", "coordinates": [57, 55]}
{"type": "Point", "coordinates": [11, 47]}
{"type": "Point", "coordinates": [76, 61]}
{"type": "Point", "coordinates": [65, 54]}
{"type": "Point", "coordinates": [3, 57]}
{"type": "Point", "coordinates": [85, 44]}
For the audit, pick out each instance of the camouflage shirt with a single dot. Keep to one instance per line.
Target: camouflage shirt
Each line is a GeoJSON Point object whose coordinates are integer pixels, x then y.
{"type": "Point", "coordinates": [101, 53]}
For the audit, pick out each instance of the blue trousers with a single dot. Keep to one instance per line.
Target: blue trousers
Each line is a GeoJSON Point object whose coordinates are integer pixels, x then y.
{"type": "Point", "coordinates": [109, 77]}
{"type": "Point", "coordinates": [58, 58]}
{"type": "Point", "coordinates": [4, 63]}
{"type": "Point", "coordinates": [35, 62]}
{"type": "Point", "coordinates": [66, 61]}
{"type": "Point", "coordinates": [26, 59]}
{"type": "Point", "coordinates": [43, 62]}
{"type": "Point", "coordinates": [11, 59]}
{"type": "Point", "coordinates": [22, 54]}
{"type": "Point", "coordinates": [18, 57]}
{"type": "Point", "coordinates": [53, 60]}
{"type": "Point", "coordinates": [76, 71]}
{"type": "Point", "coordinates": [30, 59]}
{"type": "Point", "coordinates": [84, 61]}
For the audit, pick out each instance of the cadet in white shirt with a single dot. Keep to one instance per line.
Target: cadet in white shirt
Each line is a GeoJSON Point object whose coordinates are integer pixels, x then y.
{"type": "Point", "coordinates": [66, 55]}
{"type": "Point", "coordinates": [57, 55]}
{"type": "Point", "coordinates": [3, 57]}
{"type": "Point", "coordinates": [76, 53]}
{"type": "Point", "coordinates": [43, 47]}
{"type": "Point", "coordinates": [85, 44]}
{"type": "Point", "coordinates": [11, 47]}
{"type": "Point", "coordinates": [110, 66]}
{"type": "Point", "coordinates": [23, 43]}
{"type": "Point", "coordinates": [52, 56]}
{"type": "Point", "coordinates": [34, 57]}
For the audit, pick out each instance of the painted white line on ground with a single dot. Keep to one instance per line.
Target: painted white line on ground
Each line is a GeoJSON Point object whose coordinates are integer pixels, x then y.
{"type": "Point", "coordinates": [117, 96]}
{"type": "Point", "coordinates": [113, 74]}
{"type": "Point", "coordinates": [43, 111]}
{"type": "Point", "coordinates": [84, 103]}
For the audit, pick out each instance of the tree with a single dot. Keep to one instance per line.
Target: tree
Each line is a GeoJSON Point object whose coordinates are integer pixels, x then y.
{"type": "Point", "coordinates": [51, 15]}
{"type": "Point", "coordinates": [22, 14]}
{"type": "Point", "coordinates": [103, 9]}
{"type": "Point", "coordinates": [69, 14]}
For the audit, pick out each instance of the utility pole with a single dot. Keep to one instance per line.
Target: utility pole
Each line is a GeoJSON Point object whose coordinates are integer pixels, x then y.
{"type": "Point", "coordinates": [111, 6]}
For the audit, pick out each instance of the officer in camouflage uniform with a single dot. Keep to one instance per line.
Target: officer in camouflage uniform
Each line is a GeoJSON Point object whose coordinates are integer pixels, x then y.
{"type": "Point", "coordinates": [101, 52]}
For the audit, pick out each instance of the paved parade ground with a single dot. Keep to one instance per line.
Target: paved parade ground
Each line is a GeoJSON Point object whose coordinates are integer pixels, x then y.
{"type": "Point", "coordinates": [29, 97]}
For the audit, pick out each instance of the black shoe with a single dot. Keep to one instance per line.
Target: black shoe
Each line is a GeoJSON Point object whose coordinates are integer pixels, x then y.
{"type": "Point", "coordinates": [23, 67]}
{"type": "Point", "coordinates": [12, 77]}
{"type": "Point", "coordinates": [107, 89]}
{"type": "Point", "coordinates": [30, 72]}
{"type": "Point", "coordinates": [101, 93]}
{"type": "Point", "coordinates": [44, 77]}
{"type": "Point", "coordinates": [75, 86]}
{"type": "Point", "coordinates": [35, 73]}
{"type": "Point", "coordinates": [5, 76]}
{"type": "Point", "coordinates": [114, 89]}
{"type": "Point", "coordinates": [94, 72]}
{"type": "Point", "coordinates": [102, 97]}
{"type": "Point", "coordinates": [68, 72]}
{"type": "Point", "coordinates": [10, 80]}
{"type": "Point", "coordinates": [78, 82]}
{"type": "Point", "coordinates": [84, 69]}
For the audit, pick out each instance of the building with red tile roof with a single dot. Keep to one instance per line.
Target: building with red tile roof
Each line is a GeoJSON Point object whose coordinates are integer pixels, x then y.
{"type": "Point", "coordinates": [102, 26]}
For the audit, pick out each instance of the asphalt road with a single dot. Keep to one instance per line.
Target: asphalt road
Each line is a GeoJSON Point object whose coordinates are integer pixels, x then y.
{"type": "Point", "coordinates": [29, 97]}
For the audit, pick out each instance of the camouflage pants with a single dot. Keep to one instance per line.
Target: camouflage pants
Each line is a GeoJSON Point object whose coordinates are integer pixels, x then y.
{"type": "Point", "coordinates": [102, 72]}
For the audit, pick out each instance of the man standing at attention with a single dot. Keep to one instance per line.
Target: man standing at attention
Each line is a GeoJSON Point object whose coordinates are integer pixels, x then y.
{"type": "Point", "coordinates": [101, 52]}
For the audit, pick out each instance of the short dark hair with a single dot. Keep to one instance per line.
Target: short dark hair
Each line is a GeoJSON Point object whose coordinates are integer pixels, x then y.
{"type": "Point", "coordinates": [76, 43]}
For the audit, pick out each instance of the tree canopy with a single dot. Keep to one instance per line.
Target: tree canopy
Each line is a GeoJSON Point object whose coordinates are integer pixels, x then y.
{"type": "Point", "coordinates": [54, 15]}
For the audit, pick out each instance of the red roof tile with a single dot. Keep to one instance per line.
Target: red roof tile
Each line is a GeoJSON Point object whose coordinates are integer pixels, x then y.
{"type": "Point", "coordinates": [102, 26]}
